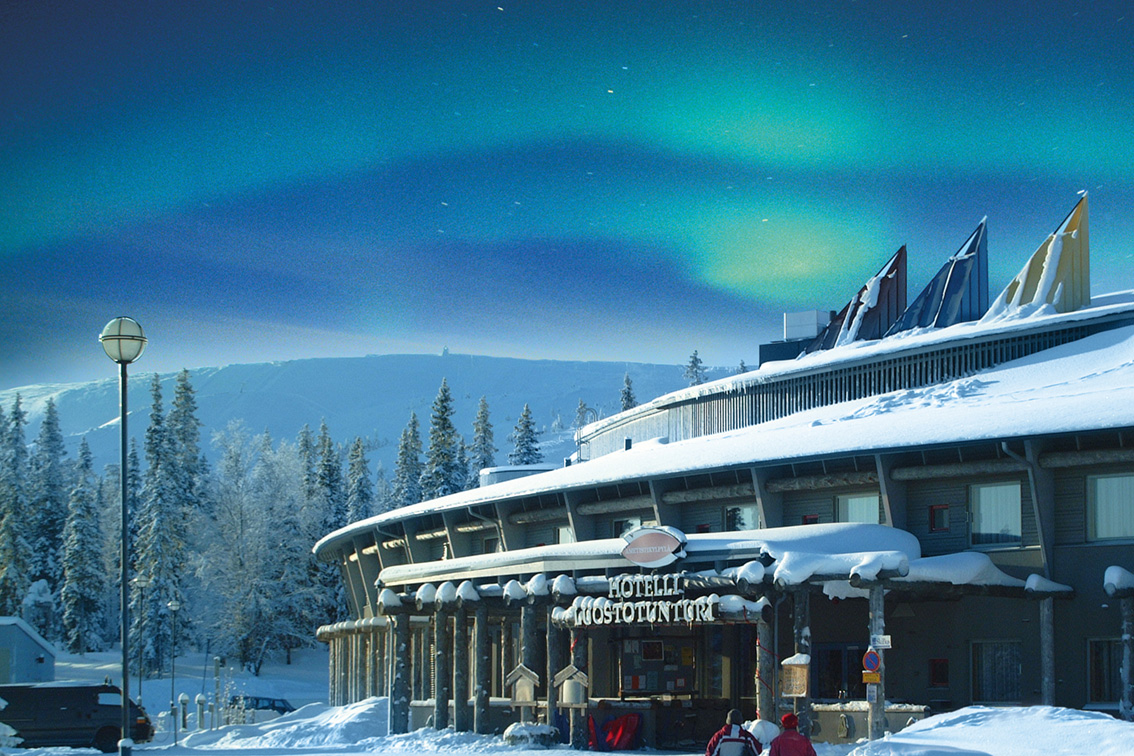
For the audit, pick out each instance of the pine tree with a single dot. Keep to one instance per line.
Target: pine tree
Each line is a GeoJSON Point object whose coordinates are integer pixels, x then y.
{"type": "Point", "coordinates": [84, 589]}
{"type": "Point", "coordinates": [581, 414]}
{"type": "Point", "coordinates": [524, 437]}
{"type": "Point", "coordinates": [626, 397]}
{"type": "Point", "coordinates": [161, 549]}
{"type": "Point", "coordinates": [15, 548]}
{"type": "Point", "coordinates": [482, 453]}
{"type": "Point", "coordinates": [331, 495]}
{"type": "Point", "coordinates": [694, 370]}
{"type": "Point", "coordinates": [382, 491]}
{"type": "Point", "coordinates": [308, 455]}
{"type": "Point", "coordinates": [48, 499]}
{"type": "Point", "coordinates": [184, 430]}
{"type": "Point", "coordinates": [360, 488]}
{"type": "Point", "coordinates": [407, 469]}
{"type": "Point", "coordinates": [439, 476]}
{"type": "Point", "coordinates": [742, 368]}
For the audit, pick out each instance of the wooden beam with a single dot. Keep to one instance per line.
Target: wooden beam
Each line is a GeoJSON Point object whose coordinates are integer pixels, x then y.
{"type": "Point", "coordinates": [820, 482]}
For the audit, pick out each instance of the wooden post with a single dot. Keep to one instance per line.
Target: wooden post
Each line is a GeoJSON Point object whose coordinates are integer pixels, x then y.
{"type": "Point", "coordinates": [579, 716]}
{"type": "Point", "coordinates": [554, 643]}
{"type": "Point", "coordinates": [529, 633]}
{"type": "Point", "coordinates": [876, 719]}
{"type": "Point", "coordinates": [1047, 651]}
{"type": "Point", "coordinates": [765, 673]}
{"type": "Point", "coordinates": [1126, 706]}
{"type": "Point", "coordinates": [461, 670]}
{"type": "Point", "coordinates": [442, 670]}
{"type": "Point", "coordinates": [802, 629]}
{"type": "Point", "coordinates": [483, 672]}
{"type": "Point", "coordinates": [400, 684]}
{"type": "Point", "coordinates": [506, 661]}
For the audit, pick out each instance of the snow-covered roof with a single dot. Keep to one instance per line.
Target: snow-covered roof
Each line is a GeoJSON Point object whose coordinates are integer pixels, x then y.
{"type": "Point", "coordinates": [30, 632]}
{"type": "Point", "coordinates": [1080, 386]}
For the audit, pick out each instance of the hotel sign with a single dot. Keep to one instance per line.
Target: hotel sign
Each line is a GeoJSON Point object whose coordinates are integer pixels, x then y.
{"type": "Point", "coordinates": [646, 600]}
{"type": "Point", "coordinates": [653, 547]}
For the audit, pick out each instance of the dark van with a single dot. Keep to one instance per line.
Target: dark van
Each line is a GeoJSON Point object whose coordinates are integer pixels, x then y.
{"type": "Point", "coordinates": [70, 714]}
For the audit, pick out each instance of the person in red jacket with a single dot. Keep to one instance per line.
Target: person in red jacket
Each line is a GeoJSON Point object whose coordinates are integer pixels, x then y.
{"type": "Point", "coordinates": [733, 739]}
{"type": "Point", "coordinates": [790, 742]}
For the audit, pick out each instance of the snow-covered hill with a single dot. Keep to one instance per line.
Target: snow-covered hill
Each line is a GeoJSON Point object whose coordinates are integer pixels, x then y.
{"type": "Point", "coordinates": [365, 396]}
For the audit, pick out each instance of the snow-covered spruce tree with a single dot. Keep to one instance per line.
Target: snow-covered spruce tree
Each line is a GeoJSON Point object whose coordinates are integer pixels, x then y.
{"type": "Point", "coordinates": [331, 496]}
{"type": "Point", "coordinates": [524, 438]}
{"type": "Point", "coordinates": [48, 484]}
{"type": "Point", "coordinates": [694, 370]}
{"type": "Point", "coordinates": [382, 491]}
{"type": "Point", "coordinates": [441, 474]}
{"type": "Point", "coordinates": [482, 452]}
{"type": "Point", "coordinates": [626, 397]}
{"type": "Point", "coordinates": [185, 443]}
{"type": "Point", "coordinates": [84, 588]}
{"type": "Point", "coordinates": [360, 488]}
{"type": "Point", "coordinates": [462, 475]}
{"type": "Point", "coordinates": [309, 454]}
{"type": "Point", "coordinates": [15, 547]}
{"type": "Point", "coordinates": [406, 488]}
{"type": "Point", "coordinates": [161, 550]}
{"type": "Point", "coordinates": [742, 368]}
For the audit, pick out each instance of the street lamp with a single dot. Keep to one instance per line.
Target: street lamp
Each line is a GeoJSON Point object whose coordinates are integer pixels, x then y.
{"type": "Point", "coordinates": [142, 582]}
{"type": "Point", "coordinates": [173, 605]}
{"type": "Point", "coordinates": [123, 341]}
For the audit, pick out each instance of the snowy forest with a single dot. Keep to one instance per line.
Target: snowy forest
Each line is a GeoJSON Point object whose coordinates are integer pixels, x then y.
{"type": "Point", "coordinates": [224, 539]}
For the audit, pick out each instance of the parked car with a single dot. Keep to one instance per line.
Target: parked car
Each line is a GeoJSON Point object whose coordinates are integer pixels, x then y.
{"type": "Point", "coordinates": [79, 715]}
{"type": "Point", "coordinates": [244, 709]}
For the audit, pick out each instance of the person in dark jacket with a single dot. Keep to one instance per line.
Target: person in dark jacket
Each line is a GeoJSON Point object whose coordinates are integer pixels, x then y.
{"type": "Point", "coordinates": [733, 739]}
{"type": "Point", "coordinates": [790, 742]}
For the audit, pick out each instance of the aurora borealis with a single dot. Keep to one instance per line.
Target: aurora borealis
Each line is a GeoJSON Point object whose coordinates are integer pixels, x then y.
{"type": "Point", "coordinates": [577, 180]}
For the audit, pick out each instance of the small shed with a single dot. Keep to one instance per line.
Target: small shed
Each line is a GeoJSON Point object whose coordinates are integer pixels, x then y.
{"type": "Point", "coordinates": [25, 657]}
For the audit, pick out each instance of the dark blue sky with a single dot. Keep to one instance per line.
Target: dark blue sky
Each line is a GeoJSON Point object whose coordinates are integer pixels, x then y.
{"type": "Point", "coordinates": [577, 180]}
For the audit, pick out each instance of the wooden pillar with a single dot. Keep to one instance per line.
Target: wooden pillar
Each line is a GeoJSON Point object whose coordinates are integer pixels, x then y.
{"type": "Point", "coordinates": [801, 601]}
{"type": "Point", "coordinates": [554, 651]}
{"type": "Point", "coordinates": [1047, 651]}
{"type": "Point", "coordinates": [506, 662]}
{"type": "Point", "coordinates": [765, 673]}
{"type": "Point", "coordinates": [579, 716]}
{"type": "Point", "coordinates": [876, 718]}
{"type": "Point", "coordinates": [400, 691]}
{"type": "Point", "coordinates": [442, 670]}
{"type": "Point", "coordinates": [483, 672]}
{"type": "Point", "coordinates": [529, 650]}
{"type": "Point", "coordinates": [461, 670]}
{"type": "Point", "coordinates": [1126, 706]}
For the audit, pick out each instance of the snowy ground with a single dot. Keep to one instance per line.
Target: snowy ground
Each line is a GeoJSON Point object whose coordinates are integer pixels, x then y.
{"type": "Point", "coordinates": [318, 729]}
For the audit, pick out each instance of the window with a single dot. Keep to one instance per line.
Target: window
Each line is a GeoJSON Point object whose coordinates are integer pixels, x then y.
{"type": "Point", "coordinates": [490, 545]}
{"type": "Point", "coordinates": [564, 534]}
{"type": "Point", "coordinates": [857, 508]}
{"type": "Point", "coordinates": [996, 671]}
{"type": "Point", "coordinates": [811, 519]}
{"type": "Point", "coordinates": [1110, 507]}
{"type": "Point", "coordinates": [938, 518]}
{"type": "Point", "coordinates": [837, 671]}
{"type": "Point", "coordinates": [1104, 671]}
{"type": "Point", "coordinates": [622, 526]}
{"type": "Point", "coordinates": [742, 518]}
{"type": "Point", "coordinates": [939, 673]}
{"type": "Point", "coordinates": [996, 514]}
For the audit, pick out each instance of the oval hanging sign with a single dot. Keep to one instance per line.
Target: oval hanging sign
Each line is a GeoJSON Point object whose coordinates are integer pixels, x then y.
{"type": "Point", "coordinates": [653, 547]}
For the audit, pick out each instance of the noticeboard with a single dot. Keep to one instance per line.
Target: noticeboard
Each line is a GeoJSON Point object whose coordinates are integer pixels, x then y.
{"type": "Point", "coordinates": [794, 680]}
{"type": "Point", "coordinates": [658, 665]}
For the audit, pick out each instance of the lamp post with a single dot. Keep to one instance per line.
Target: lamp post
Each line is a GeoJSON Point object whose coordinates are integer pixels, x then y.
{"type": "Point", "coordinates": [123, 341]}
{"type": "Point", "coordinates": [142, 582]}
{"type": "Point", "coordinates": [173, 605]}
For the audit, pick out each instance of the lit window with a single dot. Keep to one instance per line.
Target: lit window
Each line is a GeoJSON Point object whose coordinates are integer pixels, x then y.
{"type": "Point", "coordinates": [996, 514]}
{"type": "Point", "coordinates": [938, 518]}
{"type": "Point", "coordinates": [742, 518]}
{"type": "Point", "coordinates": [858, 508]}
{"type": "Point", "coordinates": [1110, 507]}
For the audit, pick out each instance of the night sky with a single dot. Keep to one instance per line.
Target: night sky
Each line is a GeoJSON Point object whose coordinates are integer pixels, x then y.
{"type": "Point", "coordinates": [574, 180]}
